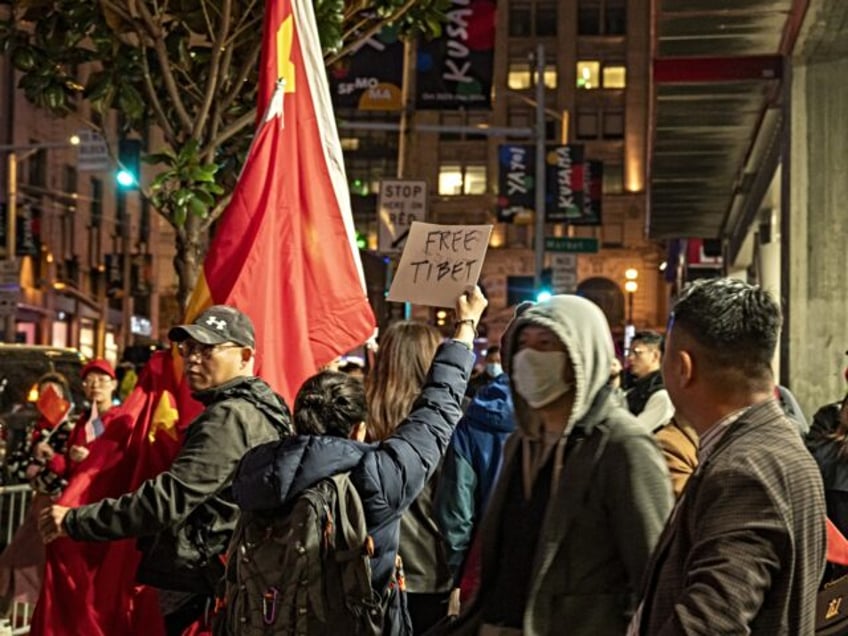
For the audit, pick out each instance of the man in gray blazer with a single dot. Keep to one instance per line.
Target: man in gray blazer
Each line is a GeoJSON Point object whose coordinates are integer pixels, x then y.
{"type": "Point", "coordinates": [744, 550]}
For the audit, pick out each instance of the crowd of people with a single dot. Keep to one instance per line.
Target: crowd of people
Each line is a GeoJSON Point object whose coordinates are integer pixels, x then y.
{"type": "Point", "coordinates": [542, 495]}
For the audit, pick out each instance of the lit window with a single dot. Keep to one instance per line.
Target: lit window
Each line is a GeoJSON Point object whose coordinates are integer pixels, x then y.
{"type": "Point", "coordinates": [550, 76]}
{"type": "Point", "coordinates": [615, 77]}
{"type": "Point", "coordinates": [475, 180]}
{"type": "Point", "coordinates": [455, 180]}
{"type": "Point", "coordinates": [450, 180]}
{"type": "Point", "coordinates": [588, 74]}
{"type": "Point", "coordinates": [519, 77]}
{"type": "Point", "coordinates": [350, 143]}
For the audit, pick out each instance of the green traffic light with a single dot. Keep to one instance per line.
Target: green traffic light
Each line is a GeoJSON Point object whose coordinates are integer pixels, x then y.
{"type": "Point", "coordinates": [125, 178]}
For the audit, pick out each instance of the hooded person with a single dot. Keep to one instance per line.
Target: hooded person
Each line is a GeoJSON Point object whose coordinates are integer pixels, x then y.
{"type": "Point", "coordinates": [583, 492]}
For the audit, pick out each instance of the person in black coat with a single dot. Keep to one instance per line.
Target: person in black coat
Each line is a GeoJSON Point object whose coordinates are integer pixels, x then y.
{"type": "Point", "coordinates": [388, 476]}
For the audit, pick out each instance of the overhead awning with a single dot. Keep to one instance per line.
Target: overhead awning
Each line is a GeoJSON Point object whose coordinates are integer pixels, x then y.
{"type": "Point", "coordinates": [716, 78]}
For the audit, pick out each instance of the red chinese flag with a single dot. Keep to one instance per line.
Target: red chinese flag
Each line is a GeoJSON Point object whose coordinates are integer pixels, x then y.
{"type": "Point", "coordinates": [285, 250]}
{"type": "Point", "coordinates": [837, 545]}
{"type": "Point", "coordinates": [52, 405]}
{"type": "Point", "coordinates": [89, 588]}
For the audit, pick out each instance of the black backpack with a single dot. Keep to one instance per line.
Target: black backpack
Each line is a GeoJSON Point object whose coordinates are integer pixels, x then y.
{"type": "Point", "coordinates": [302, 570]}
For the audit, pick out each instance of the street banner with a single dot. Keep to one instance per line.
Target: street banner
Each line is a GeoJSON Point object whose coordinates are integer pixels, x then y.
{"type": "Point", "coordinates": [455, 70]}
{"type": "Point", "coordinates": [516, 180]}
{"type": "Point", "coordinates": [573, 184]}
{"type": "Point", "coordinates": [401, 202]}
{"type": "Point", "coordinates": [371, 78]}
{"type": "Point", "coordinates": [439, 262]}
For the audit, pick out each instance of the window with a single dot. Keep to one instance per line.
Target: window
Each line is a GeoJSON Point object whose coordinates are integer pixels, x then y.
{"type": "Point", "coordinates": [550, 76]}
{"type": "Point", "coordinates": [614, 125]}
{"type": "Point", "coordinates": [546, 19]}
{"type": "Point", "coordinates": [615, 76]}
{"type": "Point", "coordinates": [533, 17]}
{"type": "Point", "coordinates": [520, 20]}
{"type": "Point", "coordinates": [601, 17]}
{"type": "Point", "coordinates": [587, 125]}
{"type": "Point", "coordinates": [592, 74]}
{"type": "Point", "coordinates": [613, 182]}
{"type": "Point", "coordinates": [463, 120]}
{"type": "Point", "coordinates": [522, 77]}
{"type": "Point", "coordinates": [588, 74]}
{"type": "Point", "coordinates": [519, 77]}
{"type": "Point", "coordinates": [457, 179]}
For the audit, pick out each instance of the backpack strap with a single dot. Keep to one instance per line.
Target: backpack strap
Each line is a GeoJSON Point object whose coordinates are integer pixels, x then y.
{"type": "Point", "coordinates": [356, 581]}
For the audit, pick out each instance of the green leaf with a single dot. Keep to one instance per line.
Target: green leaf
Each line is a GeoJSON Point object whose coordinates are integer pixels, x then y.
{"type": "Point", "coordinates": [198, 207]}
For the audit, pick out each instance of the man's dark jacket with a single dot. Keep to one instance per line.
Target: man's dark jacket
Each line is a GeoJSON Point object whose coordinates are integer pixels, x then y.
{"type": "Point", "coordinates": [185, 516]}
{"type": "Point", "coordinates": [388, 476]}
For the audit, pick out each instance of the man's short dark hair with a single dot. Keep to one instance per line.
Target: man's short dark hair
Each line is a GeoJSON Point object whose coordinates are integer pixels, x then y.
{"type": "Point", "coordinates": [649, 338]}
{"type": "Point", "coordinates": [736, 325]}
{"type": "Point", "coordinates": [329, 403]}
{"type": "Point", "coordinates": [494, 349]}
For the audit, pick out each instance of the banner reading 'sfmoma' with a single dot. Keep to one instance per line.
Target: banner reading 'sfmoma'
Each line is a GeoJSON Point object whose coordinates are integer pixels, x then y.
{"type": "Point", "coordinates": [370, 78]}
{"type": "Point", "coordinates": [573, 184]}
{"type": "Point", "coordinates": [455, 70]}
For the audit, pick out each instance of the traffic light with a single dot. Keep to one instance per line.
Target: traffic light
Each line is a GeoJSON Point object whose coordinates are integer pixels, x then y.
{"type": "Point", "coordinates": [545, 290]}
{"type": "Point", "coordinates": [129, 164]}
{"type": "Point", "coordinates": [361, 240]}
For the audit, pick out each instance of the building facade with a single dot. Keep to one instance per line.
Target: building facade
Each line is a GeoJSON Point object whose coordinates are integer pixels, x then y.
{"type": "Point", "coordinates": [92, 261]}
{"type": "Point", "coordinates": [596, 79]}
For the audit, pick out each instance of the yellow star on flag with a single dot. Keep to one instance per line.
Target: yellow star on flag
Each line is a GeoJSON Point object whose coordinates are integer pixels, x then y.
{"type": "Point", "coordinates": [285, 68]}
{"type": "Point", "coordinates": [165, 418]}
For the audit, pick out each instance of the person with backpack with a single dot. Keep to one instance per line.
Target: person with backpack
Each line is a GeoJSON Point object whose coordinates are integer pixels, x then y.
{"type": "Point", "coordinates": [184, 517]}
{"type": "Point", "coordinates": [364, 490]}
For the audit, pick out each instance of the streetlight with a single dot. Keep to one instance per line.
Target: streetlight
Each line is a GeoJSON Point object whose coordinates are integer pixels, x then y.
{"type": "Point", "coordinates": [630, 286]}
{"type": "Point", "coordinates": [12, 202]}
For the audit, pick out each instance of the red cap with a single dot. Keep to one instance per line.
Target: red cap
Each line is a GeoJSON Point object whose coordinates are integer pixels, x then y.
{"type": "Point", "coordinates": [100, 365]}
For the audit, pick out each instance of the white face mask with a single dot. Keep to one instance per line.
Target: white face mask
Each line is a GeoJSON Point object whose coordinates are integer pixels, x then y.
{"type": "Point", "coordinates": [538, 376]}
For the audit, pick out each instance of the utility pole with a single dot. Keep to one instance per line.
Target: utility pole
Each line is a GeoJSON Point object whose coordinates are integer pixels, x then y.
{"type": "Point", "coordinates": [539, 232]}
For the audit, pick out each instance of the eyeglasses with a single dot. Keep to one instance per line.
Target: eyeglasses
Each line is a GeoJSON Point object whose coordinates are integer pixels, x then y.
{"type": "Point", "coordinates": [204, 351]}
{"type": "Point", "coordinates": [636, 352]}
{"type": "Point", "coordinates": [96, 380]}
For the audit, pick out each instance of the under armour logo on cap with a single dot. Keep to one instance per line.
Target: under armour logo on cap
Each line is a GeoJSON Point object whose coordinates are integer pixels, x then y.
{"type": "Point", "coordinates": [216, 325]}
{"type": "Point", "coordinates": [220, 325]}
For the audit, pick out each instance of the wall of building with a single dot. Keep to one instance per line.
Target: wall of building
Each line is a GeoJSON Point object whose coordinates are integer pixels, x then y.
{"type": "Point", "coordinates": [818, 233]}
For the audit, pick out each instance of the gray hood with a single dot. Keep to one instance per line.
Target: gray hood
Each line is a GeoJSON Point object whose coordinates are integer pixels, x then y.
{"type": "Point", "coordinates": [583, 329]}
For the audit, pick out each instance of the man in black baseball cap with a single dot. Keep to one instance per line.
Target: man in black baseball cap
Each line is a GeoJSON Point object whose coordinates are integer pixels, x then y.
{"type": "Point", "coordinates": [186, 515]}
{"type": "Point", "coordinates": [217, 325]}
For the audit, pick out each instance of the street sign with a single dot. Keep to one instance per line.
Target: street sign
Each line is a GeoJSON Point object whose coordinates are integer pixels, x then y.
{"type": "Point", "coordinates": [564, 273]}
{"type": "Point", "coordinates": [92, 152]}
{"type": "Point", "coordinates": [571, 245]}
{"type": "Point", "coordinates": [400, 203]}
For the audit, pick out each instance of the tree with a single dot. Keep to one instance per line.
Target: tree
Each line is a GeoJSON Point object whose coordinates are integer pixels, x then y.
{"type": "Point", "coordinates": [188, 67]}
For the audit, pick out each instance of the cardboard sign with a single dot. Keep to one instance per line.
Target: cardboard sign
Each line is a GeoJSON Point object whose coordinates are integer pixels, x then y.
{"type": "Point", "coordinates": [439, 262]}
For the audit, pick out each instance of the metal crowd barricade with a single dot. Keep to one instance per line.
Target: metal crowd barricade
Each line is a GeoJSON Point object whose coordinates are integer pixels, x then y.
{"type": "Point", "coordinates": [14, 505]}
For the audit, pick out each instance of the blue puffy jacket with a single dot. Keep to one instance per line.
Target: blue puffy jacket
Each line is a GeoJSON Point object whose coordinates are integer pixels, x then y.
{"type": "Point", "coordinates": [471, 467]}
{"type": "Point", "coordinates": [388, 476]}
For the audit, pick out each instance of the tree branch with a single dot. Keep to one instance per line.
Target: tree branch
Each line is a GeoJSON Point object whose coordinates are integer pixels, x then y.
{"type": "Point", "coordinates": [215, 69]}
{"type": "Point", "coordinates": [376, 28]}
{"type": "Point", "coordinates": [155, 31]}
{"type": "Point", "coordinates": [215, 214]}
{"type": "Point", "coordinates": [247, 21]}
{"type": "Point", "coordinates": [164, 124]}
{"type": "Point", "coordinates": [247, 65]}
{"type": "Point", "coordinates": [233, 129]}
